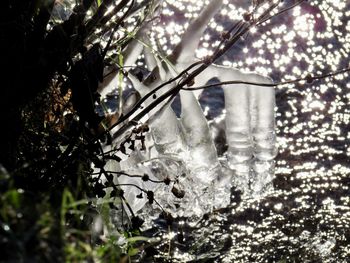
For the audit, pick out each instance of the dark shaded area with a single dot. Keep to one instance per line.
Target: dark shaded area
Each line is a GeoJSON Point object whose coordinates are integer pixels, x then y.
{"type": "Point", "coordinates": [47, 68]}
{"type": "Point", "coordinates": [30, 57]}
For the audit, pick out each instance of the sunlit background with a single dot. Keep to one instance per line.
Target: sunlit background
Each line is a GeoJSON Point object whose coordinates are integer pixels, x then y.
{"type": "Point", "coordinates": [307, 217]}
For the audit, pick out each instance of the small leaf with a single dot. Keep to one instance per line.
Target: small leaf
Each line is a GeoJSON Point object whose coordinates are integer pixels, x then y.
{"type": "Point", "coordinates": [133, 251]}
{"type": "Point", "coordinates": [137, 222]}
{"type": "Point", "coordinates": [178, 192]}
{"type": "Point", "coordinates": [150, 197]}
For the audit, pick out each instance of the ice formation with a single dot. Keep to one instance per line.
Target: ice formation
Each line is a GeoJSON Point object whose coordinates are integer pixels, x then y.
{"type": "Point", "coordinates": [182, 149]}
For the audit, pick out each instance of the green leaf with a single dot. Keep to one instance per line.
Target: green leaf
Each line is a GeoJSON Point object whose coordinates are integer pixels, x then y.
{"type": "Point", "coordinates": [13, 197]}
{"type": "Point", "coordinates": [67, 201]}
{"type": "Point", "coordinates": [133, 251]}
{"type": "Point", "coordinates": [137, 238]}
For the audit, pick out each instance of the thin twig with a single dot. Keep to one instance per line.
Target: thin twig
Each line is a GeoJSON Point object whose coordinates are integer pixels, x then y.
{"type": "Point", "coordinates": [119, 22]}
{"type": "Point", "coordinates": [280, 12]}
{"type": "Point", "coordinates": [307, 78]}
{"type": "Point", "coordinates": [132, 175]}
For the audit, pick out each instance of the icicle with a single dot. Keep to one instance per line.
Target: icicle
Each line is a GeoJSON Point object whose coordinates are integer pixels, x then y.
{"type": "Point", "coordinates": [250, 129]}
{"type": "Point", "coordinates": [203, 153]}
{"type": "Point", "coordinates": [185, 50]}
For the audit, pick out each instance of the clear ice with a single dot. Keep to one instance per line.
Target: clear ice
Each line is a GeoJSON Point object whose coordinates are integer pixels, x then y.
{"type": "Point", "coordinates": [182, 149]}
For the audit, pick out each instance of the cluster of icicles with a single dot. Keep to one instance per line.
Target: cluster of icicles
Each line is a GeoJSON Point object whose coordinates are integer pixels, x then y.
{"type": "Point", "coordinates": [183, 150]}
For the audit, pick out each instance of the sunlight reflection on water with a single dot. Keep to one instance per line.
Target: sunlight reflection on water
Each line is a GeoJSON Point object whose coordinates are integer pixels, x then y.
{"type": "Point", "coordinates": [306, 217]}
